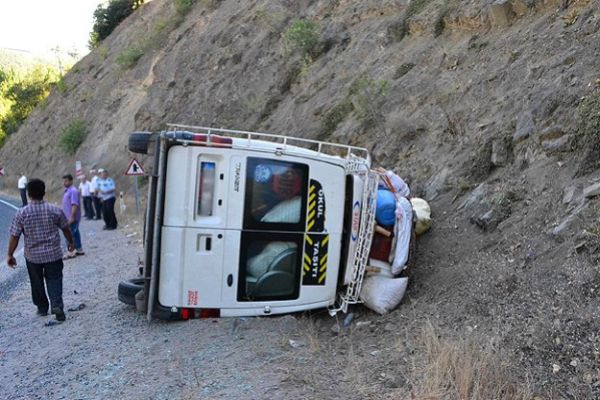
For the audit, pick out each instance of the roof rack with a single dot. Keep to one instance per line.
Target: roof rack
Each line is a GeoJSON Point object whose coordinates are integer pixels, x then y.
{"type": "Point", "coordinates": [356, 156]}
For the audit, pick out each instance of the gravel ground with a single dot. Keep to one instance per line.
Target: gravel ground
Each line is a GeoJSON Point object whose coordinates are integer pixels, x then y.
{"type": "Point", "coordinates": [108, 350]}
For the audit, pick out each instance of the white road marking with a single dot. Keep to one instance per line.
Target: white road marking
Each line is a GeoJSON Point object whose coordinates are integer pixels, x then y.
{"type": "Point", "coordinates": [10, 205]}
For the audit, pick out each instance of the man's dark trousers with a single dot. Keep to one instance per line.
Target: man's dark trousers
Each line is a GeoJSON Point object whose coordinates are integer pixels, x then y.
{"type": "Point", "coordinates": [108, 213]}
{"type": "Point", "coordinates": [52, 273]}
{"type": "Point", "coordinates": [23, 196]}
{"type": "Point", "coordinates": [97, 207]}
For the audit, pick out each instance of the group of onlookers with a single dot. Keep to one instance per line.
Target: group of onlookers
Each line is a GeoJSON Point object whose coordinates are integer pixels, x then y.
{"type": "Point", "coordinates": [40, 223]}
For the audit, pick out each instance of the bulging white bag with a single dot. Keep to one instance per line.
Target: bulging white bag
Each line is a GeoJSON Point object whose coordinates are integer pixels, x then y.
{"type": "Point", "coordinates": [382, 294]}
{"type": "Point", "coordinates": [423, 213]}
{"type": "Point", "coordinates": [402, 234]}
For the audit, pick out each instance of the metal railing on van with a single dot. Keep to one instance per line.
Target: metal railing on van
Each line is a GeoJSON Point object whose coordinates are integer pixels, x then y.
{"type": "Point", "coordinates": [355, 158]}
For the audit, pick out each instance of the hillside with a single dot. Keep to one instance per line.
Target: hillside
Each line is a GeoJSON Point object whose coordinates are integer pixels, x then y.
{"type": "Point", "coordinates": [490, 111]}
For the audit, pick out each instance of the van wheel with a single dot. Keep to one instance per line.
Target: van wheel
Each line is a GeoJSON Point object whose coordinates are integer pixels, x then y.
{"type": "Point", "coordinates": [129, 288]}
{"type": "Point", "coordinates": [139, 142]}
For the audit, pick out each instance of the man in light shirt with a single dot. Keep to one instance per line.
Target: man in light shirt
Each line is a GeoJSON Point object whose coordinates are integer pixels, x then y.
{"type": "Point", "coordinates": [107, 191]}
{"type": "Point", "coordinates": [95, 195]}
{"type": "Point", "coordinates": [86, 194]}
{"type": "Point", "coordinates": [22, 185]}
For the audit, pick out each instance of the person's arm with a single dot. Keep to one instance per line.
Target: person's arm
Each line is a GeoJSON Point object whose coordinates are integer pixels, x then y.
{"type": "Point", "coordinates": [70, 244]}
{"type": "Point", "coordinates": [15, 231]}
{"type": "Point", "coordinates": [13, 242]}
{"type": "Point", "coordinates": [74, 206]}
{"type": "Point", "coordinates": [63, 224]}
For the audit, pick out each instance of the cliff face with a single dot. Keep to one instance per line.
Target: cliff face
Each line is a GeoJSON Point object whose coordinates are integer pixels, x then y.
{"type": "Point", "coordinates": [484, 108]}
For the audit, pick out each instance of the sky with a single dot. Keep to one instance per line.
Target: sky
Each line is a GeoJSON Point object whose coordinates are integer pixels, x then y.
{"type": "Point", "coordinates": [38, 26]}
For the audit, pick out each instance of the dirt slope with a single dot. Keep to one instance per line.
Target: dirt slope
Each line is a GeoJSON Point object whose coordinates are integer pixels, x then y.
{"type": "Point", "coordinates": [484, 108]}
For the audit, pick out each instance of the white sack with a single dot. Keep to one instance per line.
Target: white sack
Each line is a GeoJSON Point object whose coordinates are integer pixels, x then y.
{"type": "Point", "coordinates": [400, 187]}
{"type": "Point", "coordinates": [287, 211]}
{"type": "Point", "coordinates": [385, 269]}
{"type": "Point", "coordinates": [423, 214]}
{"type": "Point", "coordinates": [383, 294]}
{"type": "Point", "coordinates": [402, 234]}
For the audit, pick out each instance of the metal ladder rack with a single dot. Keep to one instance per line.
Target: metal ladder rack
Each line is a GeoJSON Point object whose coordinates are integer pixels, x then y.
{"type": "Point", "coordinates": [288, 142]}
{"type": "Point", "coordinates": [363, 247]}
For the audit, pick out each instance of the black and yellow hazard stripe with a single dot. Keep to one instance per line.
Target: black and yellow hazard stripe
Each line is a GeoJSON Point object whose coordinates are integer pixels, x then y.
{"type": "Point", "coordinates": [312, 207]}
{"type": "Point", "coordinates": [315, 219]}
{"type": "Point", "coordinates": [314, 265]}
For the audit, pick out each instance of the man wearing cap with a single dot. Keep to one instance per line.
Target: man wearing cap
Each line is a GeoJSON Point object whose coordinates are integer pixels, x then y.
{"type": "Point", "coordinates": [72, 209]}
{"type": "Point", "coordinates": [95, 196]}
{"type": "Point", "coordinates": [40, 222]}
{"type": "Point", "coordinates": [107, 191]}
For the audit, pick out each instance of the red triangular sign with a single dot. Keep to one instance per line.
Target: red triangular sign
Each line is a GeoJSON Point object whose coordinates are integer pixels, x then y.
{"type": "Point", "coordinates": [135, 168]}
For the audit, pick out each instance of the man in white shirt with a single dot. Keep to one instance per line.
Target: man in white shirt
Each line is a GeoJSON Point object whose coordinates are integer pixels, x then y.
{"type": "Point", "coordinates": [97, 202]}
{"type": "Point", "coordinates": [22, 185]}
{"type": "Point", "coordinates": [86, 194]}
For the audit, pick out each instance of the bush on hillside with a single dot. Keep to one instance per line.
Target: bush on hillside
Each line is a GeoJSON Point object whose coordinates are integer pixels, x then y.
{"type": "Point", "coordinates": [72, 136]}
{"type": "Point", "coordinates": [129, 57]}
{"type": "Point", "coordinates": [108, 16]}
{"type": "Point", "coordinates": [302, 37]}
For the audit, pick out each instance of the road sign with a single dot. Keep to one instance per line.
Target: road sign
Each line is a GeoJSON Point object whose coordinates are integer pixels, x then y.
{"type": "Point", "coordinates": [135, 168]}
{"type": "Point", "coordinates": [78, 169]}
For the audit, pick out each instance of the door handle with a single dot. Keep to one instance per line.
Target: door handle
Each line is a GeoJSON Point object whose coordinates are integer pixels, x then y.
{"type": "Point", "coordinates": [229, 280]}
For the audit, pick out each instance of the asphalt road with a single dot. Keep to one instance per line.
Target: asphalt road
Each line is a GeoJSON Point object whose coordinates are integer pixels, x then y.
{"type": "Point", "coordinates": [9, 278]}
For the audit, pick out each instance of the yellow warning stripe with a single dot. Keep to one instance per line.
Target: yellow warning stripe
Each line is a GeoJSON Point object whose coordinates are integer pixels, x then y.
{"type": "Point", "coordinates": [312, 197]}
{"type": "Point", "coordinates": [307, 259]}
{"type": "Point", "coordinates": [324, 242]}
{"type": "Point", "coordinates": [310, 225]}
{"type": "Point", "coordinates": [323, 267]}
{"type": "Point", "coordinates": [322, 278]}
{"type": "Point", "coordinates": [311, 215]}
{"type": "Point", "coordinates": [312, 205]}
{"type": "Point", "coordinates": [309, 241]}
{"type": "Point", "coordinates": [323, 260]}
{"type": "Point", "coordinates": [307, 267]}
{"type": "Point", "coordinates": [312, 189]}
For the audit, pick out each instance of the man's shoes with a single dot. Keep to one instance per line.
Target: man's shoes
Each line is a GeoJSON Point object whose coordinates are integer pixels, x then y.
{"type": "Point", "coordinates": [59, 313]}
{"type": "Point", "coordinates": [42, 312]}
{"type": "Point", "coordinates": [69, 254]}
{"type": "Point", "coordinates": [79, 252]}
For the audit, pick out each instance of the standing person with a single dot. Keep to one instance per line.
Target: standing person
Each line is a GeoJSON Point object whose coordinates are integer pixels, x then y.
{"type": "Point", "coordinates": [95, 195]}
{"type": "Point", "coordinates": [72, 209]}
{"type": "Point", "coordinates": [86, 194]}
{"type": "Point", "coordinates": [107, 191]}
{"type": "Point", "coordinates": [22, 185]}
{"type": "Point", "coordinates": [40, 222]}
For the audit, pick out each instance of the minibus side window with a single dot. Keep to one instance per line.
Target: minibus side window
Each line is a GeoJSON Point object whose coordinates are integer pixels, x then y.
{"type": "Point", "coordinates": [270, 266]}
{"type": "Point", "coordinates": [275, 195]}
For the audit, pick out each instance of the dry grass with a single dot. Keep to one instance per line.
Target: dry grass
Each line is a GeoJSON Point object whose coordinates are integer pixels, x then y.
{"type": "Point", "coordinates": [463, 370]}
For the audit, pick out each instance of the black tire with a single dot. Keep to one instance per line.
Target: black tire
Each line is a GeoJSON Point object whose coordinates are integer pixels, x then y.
{"type": "Point", "coordinates": [139, 142]}
{"type": "Point", "coordinates": [129, 288]}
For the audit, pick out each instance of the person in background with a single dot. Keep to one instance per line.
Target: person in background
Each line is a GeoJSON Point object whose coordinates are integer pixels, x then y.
{"type": "Point", "coordinates": [95, 195]}
{"type": "Point", "coordinates": [72, 209]}
{"type": "Point", "coordinates": [107, 191]}
{"type": "Point", "coordinates": [22, 185]}
{"type": "Point", "coordinates": [39, 223]}
{"type": "Point", "coordinates": [86, 194]}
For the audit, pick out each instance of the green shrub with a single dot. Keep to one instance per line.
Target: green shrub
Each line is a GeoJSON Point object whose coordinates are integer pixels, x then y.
{"type": "Point", "coordinates": [334, 116]}
{"type": "Point", "coordinates": [129, 57]}
{"type": "Point", "coordinates": [184, 6]}
{"type": "Point", "coordinates": [302, 37]}
{"type": "Point", "coordinates": [403, 70]}
{"type": "Point", "coordinates": [72, 136]}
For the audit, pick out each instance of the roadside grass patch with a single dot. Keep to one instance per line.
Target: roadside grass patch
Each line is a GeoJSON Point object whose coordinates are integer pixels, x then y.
{"type": "Point", "coordinates": [72, 136]}
{"type": "Point", "coordinates": [335, 116]}
{"type": "Point", "coordinates": [464, 369]}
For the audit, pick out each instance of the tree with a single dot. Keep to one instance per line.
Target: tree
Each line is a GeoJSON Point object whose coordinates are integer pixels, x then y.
{"type": "Point", "coordinates": [108, 16]}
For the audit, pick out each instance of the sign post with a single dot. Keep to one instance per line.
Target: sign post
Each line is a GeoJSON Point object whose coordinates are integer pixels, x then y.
{"type": "Point", "coordinates": [135, 169]}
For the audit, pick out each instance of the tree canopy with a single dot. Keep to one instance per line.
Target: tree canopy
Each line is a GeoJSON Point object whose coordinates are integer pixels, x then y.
{"type": "Point", "coordinates": [108, 16]}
